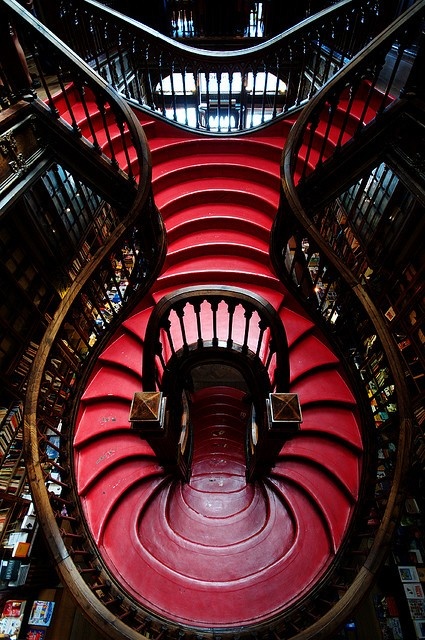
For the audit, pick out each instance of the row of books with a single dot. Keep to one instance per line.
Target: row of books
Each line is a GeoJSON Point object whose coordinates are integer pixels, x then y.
{"type": "Point", "coordinates": [12, 468]}
{"type": "Point", "coordinates": [25, 363]}
{"type": "Point", "coordinates": [10, 419]}
{"type": "Point", "coordinates": [412, 578]}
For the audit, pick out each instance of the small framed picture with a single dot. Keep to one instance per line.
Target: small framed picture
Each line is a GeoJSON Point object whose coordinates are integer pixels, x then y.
{"type": "Point", "coordinates": [408, 574]}
{"type": "Point", "coordinates": [413, 590]}
{"type": "Point", "coordinates": [417, 608]}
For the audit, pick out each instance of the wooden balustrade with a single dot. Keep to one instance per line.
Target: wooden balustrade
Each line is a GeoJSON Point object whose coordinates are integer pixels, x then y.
{"type": "Point", "coordinates": [218, 324]}
{"type": "Point", "coordinates": [325, 272]}
{"type": "Point", "coordinates": [354, 98]}
{"type": "Point", "coordinates": [84, 96]}
{"type": "Point", "coordinates": [170, 340]}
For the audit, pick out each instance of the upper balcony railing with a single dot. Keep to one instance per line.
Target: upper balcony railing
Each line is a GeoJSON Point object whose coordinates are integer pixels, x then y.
{"type": "Point", "coordinates": [216, 91]}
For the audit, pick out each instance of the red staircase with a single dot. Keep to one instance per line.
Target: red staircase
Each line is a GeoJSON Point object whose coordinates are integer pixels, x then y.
{"type": "Point", "coordinates": [217, 551]}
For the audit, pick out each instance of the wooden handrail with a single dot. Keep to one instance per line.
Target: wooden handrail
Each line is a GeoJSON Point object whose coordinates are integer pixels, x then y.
{"type": "Point", "coordinates": [80, 86]}
{"type": "Point", "coordinates": [295, 183]}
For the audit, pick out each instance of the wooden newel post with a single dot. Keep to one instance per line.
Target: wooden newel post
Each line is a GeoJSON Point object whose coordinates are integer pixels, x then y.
{"type": "Point", "coordinates": [265, 441]}
{"type": "Point", "coordinates": [167, 434]}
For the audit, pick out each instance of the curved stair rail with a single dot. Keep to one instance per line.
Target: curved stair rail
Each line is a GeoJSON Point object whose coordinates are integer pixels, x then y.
{"type": "Point", "coordinates": [212, 91]}
{"type": "Point", "coordinates": [92, 305]}
{"type": "Point", "coordinates": [307, 255]}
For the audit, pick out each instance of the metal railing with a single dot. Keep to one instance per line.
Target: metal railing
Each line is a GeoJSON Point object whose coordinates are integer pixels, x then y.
{"type": "Point", "coordinates": [217, 91]}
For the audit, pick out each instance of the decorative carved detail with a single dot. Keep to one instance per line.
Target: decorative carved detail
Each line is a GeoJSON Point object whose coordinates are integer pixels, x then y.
{"type": "Point", "coordinates": [9, 149]}
{"type": "Point", "coordinates": [19, 166]}
{"type": "Point", "coordinates": [147, 411]}
{"type": "Point", "coordinates": [8, 144]}
{"type": "Point", "coordinates": [20, 147]}
{"type": "Point", "coordinates": [285, 412]}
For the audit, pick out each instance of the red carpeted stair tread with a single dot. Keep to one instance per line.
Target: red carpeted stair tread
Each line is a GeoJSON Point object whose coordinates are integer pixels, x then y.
{"type": "Point", "coordinates": [206, 519]}
{"type": "Point", "coordinates": [328, 387]}
{"type": "Point", "coordinates": [308, 354]}
{"type": "Point", "coordinates": [314, 450]}
{"type": "Point", "coordinates": [165, 162]}
{"type": "Point", "coordinates": [200, 237]}
{"type": "Point", "coordinates": [213, 227]}
{"type": "Point", "coordinates": [334, 421]}
{"type": "Point", "coordinates": [255, 207]}
{"type": "Point", "coordinates": [136, 323]}
{"type": "Point", "coordinates": [108, 451]}
{"type": "Point", "coordinates": [214, 265]}
{"type": "Point", "coordinates": [107, 495]}
{"type": "Point", "coordinates": [224, 253]}
{"type": "Point", "coordinates": [234, 187]}
{"type": "Point", "coordinates": [97, 419]}
{"type": "Point", "coordinates": [296, 325]}
{"type": "Point", "coordinates": [203, 215]}
{"type": "Point", "coordinates": [212, 275]}
{"type": "Point", "coordinates": [126, 351]}
{"type": "Point", "coordinates": [112, 381]}
{"type": "Point", "coordinates": [327, 496]}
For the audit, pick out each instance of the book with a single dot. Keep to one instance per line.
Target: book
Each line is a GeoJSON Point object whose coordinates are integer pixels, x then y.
{"type": "Point", "coordinates": [35, 634]}
{"type": "Point", "coordinates": [28, 523]}
{"type": "Point", "coordinates": [411, 505]}
{"type": "Point", "coordinates": [41, 613]}
{"type": "Point", "coordinates": [415, 556]}
{"type": "Point", "coordinates": [408, 574]}
{"type": "Point", "coordinates": [21, 550]}
{"type": "Point", "coordinates": [22, 576]}
{"type": "Point", "coordinates": [13, 608]}
{"type": "Point", "coordinates": [417, 608]}
{"type": "Point", "coordinates": [420, 628]}
{"type": "Point", "coordinates": [10, 626]}
{"type": "Point", "coordinates": [9, 570]}
{"type": "Point", "coordinates": [413, 590]}
{"type": "Point", "coordinates": [15, 537]}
